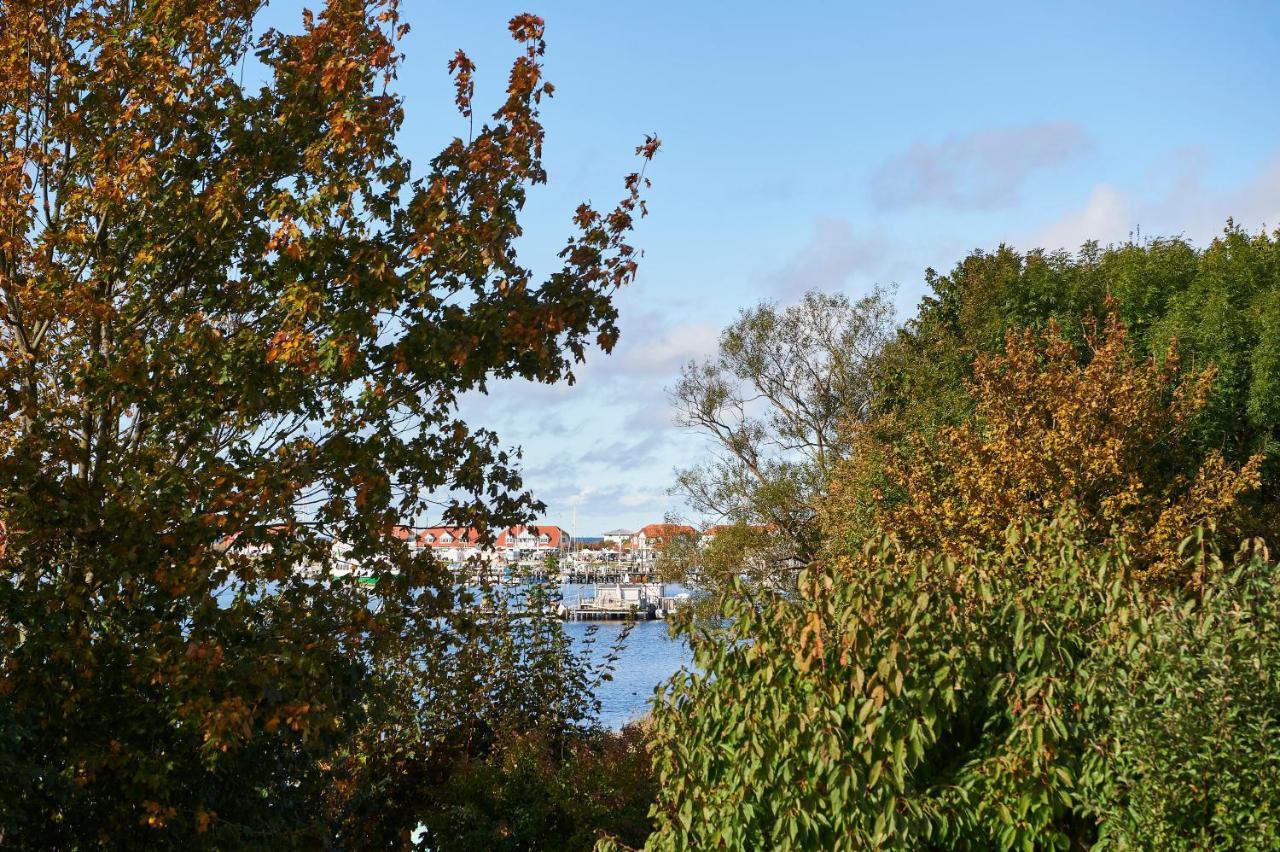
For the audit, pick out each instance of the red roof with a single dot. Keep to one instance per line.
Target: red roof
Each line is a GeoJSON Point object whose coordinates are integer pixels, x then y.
{"type": "Point", "coordinates": [555, 536]}
{"type": "Point", "coordinates": [667, 530]}
{"type": "Point", "coordinates": [436, 536]}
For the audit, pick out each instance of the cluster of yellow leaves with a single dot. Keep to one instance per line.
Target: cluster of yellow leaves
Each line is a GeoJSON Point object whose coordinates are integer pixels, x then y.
{"type": "Point", "coordinates": [296, 348]}
{"type": "Point", "coordinates": [1054, 425]}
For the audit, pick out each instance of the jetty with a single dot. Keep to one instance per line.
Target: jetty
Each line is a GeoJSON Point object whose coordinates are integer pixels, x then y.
{"type": "Point", "coordinates": [623, 602]}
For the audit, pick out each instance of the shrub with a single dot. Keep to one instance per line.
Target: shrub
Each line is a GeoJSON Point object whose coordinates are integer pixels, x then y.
{"type": "Point", "coordinates": [1008, 699]}
{"type": "Point", "coordinates": [1195, 717]}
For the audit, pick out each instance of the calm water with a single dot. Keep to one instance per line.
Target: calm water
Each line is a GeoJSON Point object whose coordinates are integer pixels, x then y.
{"type": "Point", "coordinates": [649, 657]}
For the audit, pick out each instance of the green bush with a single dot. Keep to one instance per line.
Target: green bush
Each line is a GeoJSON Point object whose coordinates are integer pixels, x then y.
{"type": "Point", "coordinates": [1192, 740]}
{"type": "Point", "coordinates": [493, 742]}
{"type": "Point", "coordinates": [529, 794]}
{"type": "Point", "coordinates": [1014, 699]}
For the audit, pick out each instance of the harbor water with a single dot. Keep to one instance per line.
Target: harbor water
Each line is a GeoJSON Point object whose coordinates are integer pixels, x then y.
{"type": "Point", "coordinates": [649, 657]}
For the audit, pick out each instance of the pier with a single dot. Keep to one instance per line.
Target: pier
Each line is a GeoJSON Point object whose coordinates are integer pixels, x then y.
{"type": "Point", "coordinates": [622, 602]}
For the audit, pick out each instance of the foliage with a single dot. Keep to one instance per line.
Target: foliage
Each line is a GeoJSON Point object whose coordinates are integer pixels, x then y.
{"type": "Point", "coordinates": [913, 700]}
{"type": "Point", "coordinates": [1219, 303]}
{"type": "Point", "coordinates": [726, 556]}
{"type": "Point", "coordinates": [772, 401]}
{"type": "Point", "coordinates": [1226, 316]}
{"type": "Point", "coordinates": [1052, 425]}
{"type": "Point", "coordinates": [1001, 671]}
{"type": "Point", "coordinates": [233, 310]}
{"type": "Point", "coordinates": [526, 795]}
{"type": "Point", "coordinates": [1194, 722]}
{"type": "Point", "coordinates": [491, 739]}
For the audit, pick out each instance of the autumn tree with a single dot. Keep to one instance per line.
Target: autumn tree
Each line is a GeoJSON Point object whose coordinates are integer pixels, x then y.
{"type": "Point", "coordinates": [1054, 424]}
{"type": "Point", "coordinates": [1023, 630]}
{"type": "Point", "coordinates": [1220, 302]}
{"type": "Point", "coordinates": [231, 307]}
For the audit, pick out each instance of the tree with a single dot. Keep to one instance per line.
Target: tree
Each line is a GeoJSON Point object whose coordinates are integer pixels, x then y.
{"type": "Point", "coordinates": [1218, 302]}
{"type": "Point", "coordinates": [232, 309]}
{"type": "Point", "coordinates": [771, 402]}
{"type": "Point", "coordinates": [490, 739]}
{"type": "Point", "coordinates": [1190, 745]}
{"type": "Point", "coordinates": [1054, 425]}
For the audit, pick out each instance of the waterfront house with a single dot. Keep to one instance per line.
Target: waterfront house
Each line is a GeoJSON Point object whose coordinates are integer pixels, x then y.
{"type": "Point", "coordinates": [533, 542]}
{"type": "Point", "coordinates": [617, 538]}
{"type": "Point", "coordinates": [451, 545]}
{"type": "Point", "coordinates": [652, 539]}
{"type": "Point", "coordinates": [617, 541]}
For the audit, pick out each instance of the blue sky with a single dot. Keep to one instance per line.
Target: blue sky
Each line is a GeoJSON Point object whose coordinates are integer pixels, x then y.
{"type": "Point", "coordinates": [839, 146]}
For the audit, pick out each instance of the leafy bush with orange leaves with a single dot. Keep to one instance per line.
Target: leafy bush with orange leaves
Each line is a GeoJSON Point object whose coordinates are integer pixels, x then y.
{"type": "Point", "coordinates": [1054, 424]}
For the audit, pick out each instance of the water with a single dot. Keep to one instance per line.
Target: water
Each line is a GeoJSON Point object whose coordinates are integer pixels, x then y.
{"type": "Point", "coordinates": [649, 657]}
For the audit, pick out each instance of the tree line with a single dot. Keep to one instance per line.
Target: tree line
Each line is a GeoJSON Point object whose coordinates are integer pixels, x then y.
{"type": "Point", "coordinates": [1035, 605]}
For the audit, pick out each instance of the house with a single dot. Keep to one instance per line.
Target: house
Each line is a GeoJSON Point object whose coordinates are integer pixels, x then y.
{"type": "Point", "coordinates": [536, 542]}
{"type": "Point", "coordinates": [650, 540]}
{"type": "Point", "coordinates": [617, 540]}
{"type": "Point", "coordinates": [617, 537]}
{"type": "Point", "coordinates": [337, 561]}
{"type": "Point", "coordinates": [450, 544]}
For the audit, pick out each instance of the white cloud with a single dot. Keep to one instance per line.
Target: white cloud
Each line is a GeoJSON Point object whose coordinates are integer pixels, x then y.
{"type": "Point", "coordinates": [982, 170]}
{"type": "Point", "coordinates": [1105, 217]}
{"type": "Point", "coordinates": [1187, 207]}
{"type": "Point", "coordinates": [832, 255]}
{"type": "Point", "coordinates": [661, 352]}
{"type": "Point", "coordinates": [642, 499]}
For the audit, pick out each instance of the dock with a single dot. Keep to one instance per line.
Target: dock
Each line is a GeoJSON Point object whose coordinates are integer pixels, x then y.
{"type": "Point", "coordinates": [623, 602]}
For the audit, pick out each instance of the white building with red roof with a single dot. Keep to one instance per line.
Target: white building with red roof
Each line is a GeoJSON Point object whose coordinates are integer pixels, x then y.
{"type": "Point", "coordinates": [533, 541]}
{"type": "Point", "coordinates": [653, 538]}
{"type": "Point", "coordinates": [451, 544]}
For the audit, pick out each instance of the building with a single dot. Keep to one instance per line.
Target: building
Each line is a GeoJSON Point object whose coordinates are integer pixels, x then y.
{"type": "Point", "coordinates": [533, 542]}
{"type": "Point", "coordinates": [617, 540]}
{"type": "Point", "coordinates": [337, 561]}
{"type": "Point", "coordinates": [650, 540]}
{"type": "Point", "coordinates": [451, 544]}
